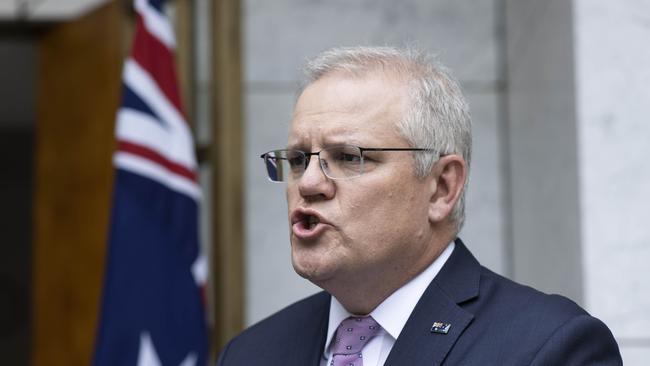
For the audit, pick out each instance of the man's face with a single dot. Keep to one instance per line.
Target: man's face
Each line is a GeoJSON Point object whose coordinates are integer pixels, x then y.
{"type": "Point", "coordinates": [370, 227]}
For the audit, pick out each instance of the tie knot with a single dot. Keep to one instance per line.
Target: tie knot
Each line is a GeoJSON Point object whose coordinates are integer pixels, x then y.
{"type": "Point", "coordinates": [353, 334]}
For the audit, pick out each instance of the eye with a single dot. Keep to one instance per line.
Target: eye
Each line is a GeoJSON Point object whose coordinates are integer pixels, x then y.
{"type": "Point", "coordinates": [347, 159]}
{"type": "Point", "coordinates": [295, 160]}
{"type": "Point", "coordinates": [350, 158]}
{"type": "Point", "coordinates": [346, 155]}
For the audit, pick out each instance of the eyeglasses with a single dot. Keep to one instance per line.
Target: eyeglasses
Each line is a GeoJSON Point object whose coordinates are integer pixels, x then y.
{"type": "Point", "coordinates": [336, 162]}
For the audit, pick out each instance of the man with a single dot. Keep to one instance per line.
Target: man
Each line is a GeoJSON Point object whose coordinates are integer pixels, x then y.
{"type": "Point", "coordinates": [375, 167]}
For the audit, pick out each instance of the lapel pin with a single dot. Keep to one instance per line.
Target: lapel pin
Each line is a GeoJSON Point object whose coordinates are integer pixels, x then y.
{"type": "Point", "coordinates": [440, 328]}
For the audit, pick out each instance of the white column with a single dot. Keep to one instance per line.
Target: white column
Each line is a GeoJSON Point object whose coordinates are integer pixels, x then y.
{"type": "Point", "coordinates": [612, 58]}
{"type": "Point", "coordinates": [579, 136]}
{"type": "Point", "coordinates": [543, 161]}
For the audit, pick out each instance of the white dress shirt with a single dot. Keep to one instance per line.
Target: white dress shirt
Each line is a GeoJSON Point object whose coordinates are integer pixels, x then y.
{"type": "Point", "coordinates": [391, 314]}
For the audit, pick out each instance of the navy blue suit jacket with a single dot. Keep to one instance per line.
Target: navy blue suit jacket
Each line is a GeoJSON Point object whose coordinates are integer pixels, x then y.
{"type": "Point", "coordinates": [494, 321]}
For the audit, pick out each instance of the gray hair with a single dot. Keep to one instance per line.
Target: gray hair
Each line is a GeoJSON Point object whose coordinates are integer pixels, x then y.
{"type": "Point", "coordinates": [438, 116]}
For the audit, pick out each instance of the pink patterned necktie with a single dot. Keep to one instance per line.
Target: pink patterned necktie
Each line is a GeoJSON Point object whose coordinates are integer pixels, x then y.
{"type": "Point", "coordinates": [351, 336]}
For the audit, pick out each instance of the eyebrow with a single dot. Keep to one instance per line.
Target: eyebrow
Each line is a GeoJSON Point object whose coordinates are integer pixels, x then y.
{"type": "Point", "coordinates": [332, 140]}
{"type": "Point", "coordinates": [300, 146]}
{"type": "Point", "coordinates": [329, 141]}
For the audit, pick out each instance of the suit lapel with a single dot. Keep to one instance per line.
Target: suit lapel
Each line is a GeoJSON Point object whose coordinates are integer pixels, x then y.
{"type": "Point", "coordinates": [456, 282]}
{"type": "Point", "coordinates": [309, 350]}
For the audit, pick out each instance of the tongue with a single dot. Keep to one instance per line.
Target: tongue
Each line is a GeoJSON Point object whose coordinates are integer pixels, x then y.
{"type": "Point", "coordinates": [304, 224]}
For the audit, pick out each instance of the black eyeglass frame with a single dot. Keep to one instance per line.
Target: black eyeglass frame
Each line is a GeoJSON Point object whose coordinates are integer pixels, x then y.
{"type": "Point", "coordinates": [309, 154]}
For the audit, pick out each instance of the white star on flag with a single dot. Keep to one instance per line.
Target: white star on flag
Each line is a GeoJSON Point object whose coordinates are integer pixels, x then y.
{"type": "Point", "coordinates": [147, 355]}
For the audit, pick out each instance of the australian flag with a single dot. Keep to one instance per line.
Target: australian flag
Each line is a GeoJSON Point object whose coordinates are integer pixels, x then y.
{"type": "Point", "coordinates": [153, 310]}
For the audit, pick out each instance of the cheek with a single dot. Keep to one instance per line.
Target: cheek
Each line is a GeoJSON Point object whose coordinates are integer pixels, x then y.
{"type": "Point", "coordinates": [383, 215]}
{"type": "Point", "coordinates": [397, 215]}
{"type": "Point", "coordinates": [292, 195]}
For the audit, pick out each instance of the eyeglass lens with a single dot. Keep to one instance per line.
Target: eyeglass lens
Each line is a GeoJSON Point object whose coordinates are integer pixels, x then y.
{"type": "Point", "coordinates": [337, 162]}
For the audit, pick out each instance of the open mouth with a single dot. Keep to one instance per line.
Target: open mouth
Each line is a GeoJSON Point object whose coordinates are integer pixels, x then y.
{"type": "Point", "coordinates": [307, 225]}
{"type": "Point", "coordinates": [307, 222]}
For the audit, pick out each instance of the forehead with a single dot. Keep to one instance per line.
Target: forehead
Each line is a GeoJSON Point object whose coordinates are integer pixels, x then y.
{"type": "Point", "coordinates": [347, 109]}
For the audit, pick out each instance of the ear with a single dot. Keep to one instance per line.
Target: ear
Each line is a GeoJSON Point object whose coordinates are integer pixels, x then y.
{"type": "Point", "coordinates": [447, 181]}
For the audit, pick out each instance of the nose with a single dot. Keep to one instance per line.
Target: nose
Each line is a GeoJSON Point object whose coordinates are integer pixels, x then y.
{"type": "Point", "coordinates": [314, 183]}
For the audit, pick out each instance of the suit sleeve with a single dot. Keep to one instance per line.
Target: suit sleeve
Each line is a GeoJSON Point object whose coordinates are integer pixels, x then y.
{"type": "Point", "coordinates": [583, 340]}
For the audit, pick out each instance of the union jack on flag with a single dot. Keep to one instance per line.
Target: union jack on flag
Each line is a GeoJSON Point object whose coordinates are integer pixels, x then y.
{"type": "Point", "coordinates": [153, 310]}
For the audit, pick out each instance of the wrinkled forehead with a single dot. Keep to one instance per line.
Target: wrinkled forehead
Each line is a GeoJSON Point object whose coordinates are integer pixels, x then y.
{"type": "Point", "coordinates": [339, 108]}
{"type": "Point", "coordinates": [330, 133]}
{"type": "Point", "coordinates": [339, 104]}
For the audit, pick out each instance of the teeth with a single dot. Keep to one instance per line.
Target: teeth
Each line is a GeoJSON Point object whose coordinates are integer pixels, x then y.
{"type": "Point", "coordinates": [313, 220]}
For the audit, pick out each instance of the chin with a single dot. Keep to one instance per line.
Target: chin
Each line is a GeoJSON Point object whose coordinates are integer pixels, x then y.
{"type": "Point", "coordinates": [316, 261]}
{"type": "Point", "coordinates": [314, 271]}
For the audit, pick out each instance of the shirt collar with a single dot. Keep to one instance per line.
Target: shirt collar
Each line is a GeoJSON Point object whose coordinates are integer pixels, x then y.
{"type": "Point", "coordinates": [393, 312]}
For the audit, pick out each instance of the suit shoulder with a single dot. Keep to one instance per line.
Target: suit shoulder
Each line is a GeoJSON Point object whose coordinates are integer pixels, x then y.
{"type": "Point", "coordinates": [298, 326]}
{"type": "Point", "coordinates": [466, 281]}
{"type": "Point", "coordinates": [525, 297]}
{"type": "Point", "coordinates": [299, 312]}
{"type": "Point", "coordinates": [519, 324]}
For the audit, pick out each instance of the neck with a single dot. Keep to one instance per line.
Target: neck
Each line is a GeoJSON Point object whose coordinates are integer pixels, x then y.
{"type": "Point", "coordinates": [361, 303]}
{"type": "Point", "coordinates": [360, 293]}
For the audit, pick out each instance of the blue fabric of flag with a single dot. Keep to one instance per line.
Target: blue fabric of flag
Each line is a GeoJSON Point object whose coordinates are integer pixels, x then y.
{"type": "Point", "coordinates": [149, 286]}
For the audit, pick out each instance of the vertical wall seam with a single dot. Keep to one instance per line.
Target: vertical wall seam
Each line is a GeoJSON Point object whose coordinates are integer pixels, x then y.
{"type": "Point", "coordinates": [503, 117]}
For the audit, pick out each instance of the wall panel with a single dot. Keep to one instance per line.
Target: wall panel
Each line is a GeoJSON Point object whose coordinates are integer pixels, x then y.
{"type": "Point", "coordinates": [78, 93]}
